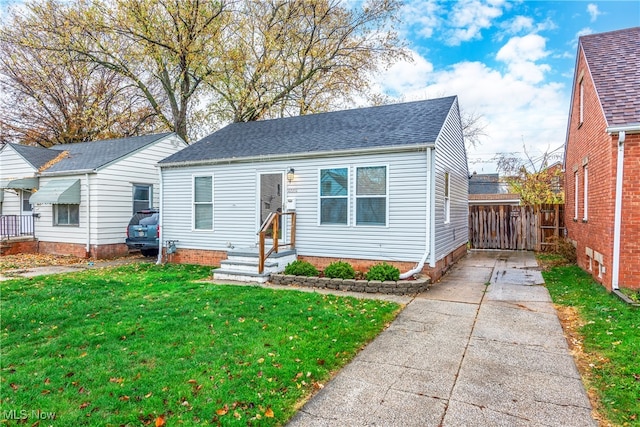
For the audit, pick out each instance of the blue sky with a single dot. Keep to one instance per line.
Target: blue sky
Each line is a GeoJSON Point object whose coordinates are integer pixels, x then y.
{"type": "Point", "coordinates": [510, 61]}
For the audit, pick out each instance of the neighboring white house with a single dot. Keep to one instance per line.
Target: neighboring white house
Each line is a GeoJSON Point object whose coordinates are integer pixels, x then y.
{"type": "Point", "coordinates": [80, 197]}
{"type": "Point", "coordinates": [386, 183]}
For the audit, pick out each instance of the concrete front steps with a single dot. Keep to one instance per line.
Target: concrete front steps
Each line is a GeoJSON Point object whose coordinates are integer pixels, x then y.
{"type": "Point", "coordinates": [241, 265]}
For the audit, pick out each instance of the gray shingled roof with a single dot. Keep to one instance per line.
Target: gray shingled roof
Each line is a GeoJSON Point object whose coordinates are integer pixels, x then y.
{"type": "Point", "coordinates": [36, 156]}
{"type": "Point", "coordinates": [95, 154]}
{"type": "Point", "coordinates": [403, 124]}
{"type": "Point", "coordinates": [613, 59]}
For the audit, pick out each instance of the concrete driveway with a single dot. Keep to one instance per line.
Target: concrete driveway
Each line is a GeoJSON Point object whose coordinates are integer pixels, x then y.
{"type": "Point", "coordinates": [463, 354]}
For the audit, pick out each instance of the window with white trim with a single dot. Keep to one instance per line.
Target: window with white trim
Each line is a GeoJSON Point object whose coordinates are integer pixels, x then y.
{"type": "Point", "coordinates": [447, 199]}
{"type": "Point", "coordinates": [581, 101]}
{"type": "Point", "coordinates": [575, 195]}
{"type": "Point", "coordinates": [26, 206]}
{"type": "Point", "coordinates": [334, 196]}
{"type": "Point", "coordinates": [585, 191]}
{"type": "Point", "coordinates": [66, 215]}
{"type": "Point", "coordinates": [371, 195]}
{"type": "Point", "coordinates": [142, 197]}
{"type": "Point", "coordinates": [203, 202]}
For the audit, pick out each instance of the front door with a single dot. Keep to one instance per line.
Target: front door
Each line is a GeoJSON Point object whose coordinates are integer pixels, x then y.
{"type": "Point", "coordinates": [26, 211]}
{"type": "Point", "coordinates": [271, 196]}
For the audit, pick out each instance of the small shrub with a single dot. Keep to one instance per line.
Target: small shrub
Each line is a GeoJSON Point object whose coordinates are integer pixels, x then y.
{"type": "Point", "coordinates": [564, 248]}
{"type": "Point", "coordinates": [340, 270]}
{"type": "Point", "coordinates": [301, 268]}
{"type": "Point", "coordinates": [383, 272]}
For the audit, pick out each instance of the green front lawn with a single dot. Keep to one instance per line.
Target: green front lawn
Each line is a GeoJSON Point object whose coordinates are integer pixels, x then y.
{"type": "Point", "coordinates": [134, 344]}
{"type": "Point", "coordinates": [611, 333]}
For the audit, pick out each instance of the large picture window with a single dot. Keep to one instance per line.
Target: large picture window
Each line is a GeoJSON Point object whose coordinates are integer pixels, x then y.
{"type": "Point", "coordinates": [334, 196]}
{"type": "Point", "coordinates": [203, 202]}
{"type": "Point", "coordinates": [142, 197]}
{"type": "Point", "coordinates": [371, 195]}
{"type": "Point", "coordinates": [66, 215]}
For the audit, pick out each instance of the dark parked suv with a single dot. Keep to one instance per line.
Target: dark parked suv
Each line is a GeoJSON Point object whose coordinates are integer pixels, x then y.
{"type": "Point", "coordinates": [142, 232]}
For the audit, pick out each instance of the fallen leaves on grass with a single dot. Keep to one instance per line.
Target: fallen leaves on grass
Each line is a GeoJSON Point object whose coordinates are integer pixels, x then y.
{"type": "Point", "coordinates": [571, 324]}
{"type": "Point", "coordinates": [24, 261]}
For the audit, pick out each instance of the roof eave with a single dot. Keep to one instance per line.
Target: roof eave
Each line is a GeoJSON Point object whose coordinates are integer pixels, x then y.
{"type": "Point", "coordinates": [629, 128]}
{"type": "Point", "coordinates": [305, 155]}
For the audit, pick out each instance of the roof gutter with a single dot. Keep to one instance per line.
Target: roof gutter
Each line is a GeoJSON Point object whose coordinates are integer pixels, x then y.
{"type": "Point", "coordinates": [617, 215]}
{"type": "Point", "coordinates": [305, 155]}
{"type": "Point", "coordinates": [66, 173]}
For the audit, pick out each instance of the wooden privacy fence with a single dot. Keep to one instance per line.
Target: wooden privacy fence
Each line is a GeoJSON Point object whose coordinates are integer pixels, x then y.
{"type": "Point", "coordinates": [515, 227]}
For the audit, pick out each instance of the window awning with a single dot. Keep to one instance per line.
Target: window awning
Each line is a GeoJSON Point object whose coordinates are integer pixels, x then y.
{"type": "Point", "coordinates": [20, 183]}
{"type": "Point", "coordinates": [58, 192]}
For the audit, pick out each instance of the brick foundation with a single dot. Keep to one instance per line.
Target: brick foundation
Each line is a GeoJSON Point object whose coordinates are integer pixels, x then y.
{"type": "Point", "coordinates": [195, 256]}
{"type": "Point", "coordinates": [78, 250]}
{"type": "Point", "coordinates": [213, 258]}
{"type": "Point", "coordinates": [16, 247]}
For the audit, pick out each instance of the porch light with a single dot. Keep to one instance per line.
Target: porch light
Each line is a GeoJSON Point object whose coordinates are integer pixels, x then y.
{"type": "Point", "coordinates": [291, 174]}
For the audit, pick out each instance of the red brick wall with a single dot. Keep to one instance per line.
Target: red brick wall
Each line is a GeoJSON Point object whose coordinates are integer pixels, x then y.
{"type": "Point", "coordinates": [590, 141]}
{"type": "Point", "coordinates": [629, 275]}
{"type": "Point", "coordinates": [16, 247]}
{"type": "Point", "coordinates": [195, 256]}
{"type": "Point", "coordinates": [79, 250]}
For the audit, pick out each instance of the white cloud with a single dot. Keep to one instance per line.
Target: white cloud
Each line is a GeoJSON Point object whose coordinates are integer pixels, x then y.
{"type": "Point", "coordinates": [469, 17]}
{"type": "Point", "coordinates": [520, 55]}
{"type": "Point", "coordinates": [421, 17]}
{"type": "Point", "coordinates": [593, 11]}
{"type": "Point", "coordinates": [517, 110]}
{"type": "Point", "coordinates": [518, 24]}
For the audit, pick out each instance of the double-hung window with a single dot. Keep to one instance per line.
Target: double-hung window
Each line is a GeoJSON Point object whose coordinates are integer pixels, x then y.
{"type": "Point", "coordinates": [575, 195]}
{"type": "Point", "coordinates": [203, 202]}
{"type": "Point", "coordinates": [334, 196]}
{"type": "Point", "coordinates": [585, 191]}
{"type": "Point", "coordinates": [371, 195]}
{"type": "Point", "coordinates": [142, 197]}
{"type": "Point", "coordinates": [447, 199]}
{"type": "Point", "coordinates": [66, 215]}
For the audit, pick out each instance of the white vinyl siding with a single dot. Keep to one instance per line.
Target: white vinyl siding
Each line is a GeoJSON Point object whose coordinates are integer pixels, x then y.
{"type": "Point", "coordinates": [13, 167]}
{"type": "Point", "coordinates": [450, 158]}
{"type": "Point", "coordinates": [110, 191]}
{"type": "Point", "coordinates": [236, 214]}
{"type": "Point", "coordinates": [203, 202]}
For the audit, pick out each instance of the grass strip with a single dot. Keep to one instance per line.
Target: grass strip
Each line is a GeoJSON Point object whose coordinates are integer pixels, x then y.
{"type": "Point", "coordinates": [611, 333]}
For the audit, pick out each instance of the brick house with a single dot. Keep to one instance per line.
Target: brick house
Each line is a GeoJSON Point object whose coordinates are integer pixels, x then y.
{"type": "Point", "coordinates": [602, 158]}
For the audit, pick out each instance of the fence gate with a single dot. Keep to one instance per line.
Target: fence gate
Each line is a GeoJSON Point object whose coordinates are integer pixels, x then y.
{"type": "Point", "coordinates": [515, 227]}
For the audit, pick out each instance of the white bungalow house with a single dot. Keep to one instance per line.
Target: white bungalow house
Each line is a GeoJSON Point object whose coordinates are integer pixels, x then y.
{"type": "Point", "coordinates": [386, 183]}
{"type": "Point", "coordinates": [77, 199]}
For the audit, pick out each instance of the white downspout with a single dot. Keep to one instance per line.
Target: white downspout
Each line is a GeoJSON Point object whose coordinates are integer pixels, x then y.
{"type": "Point", "coordinates": [427, 241]}
{"type": "Point", "coordinates": [160, 220]}
{"type": "Point", "coordinates": [88, 246]}
{"type": "Point", "coordinates": [617, 216]}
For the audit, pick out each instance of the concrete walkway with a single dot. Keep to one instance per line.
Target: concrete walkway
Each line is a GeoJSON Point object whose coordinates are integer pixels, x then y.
{"type": "Point", "coordinates": [463, 354]}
